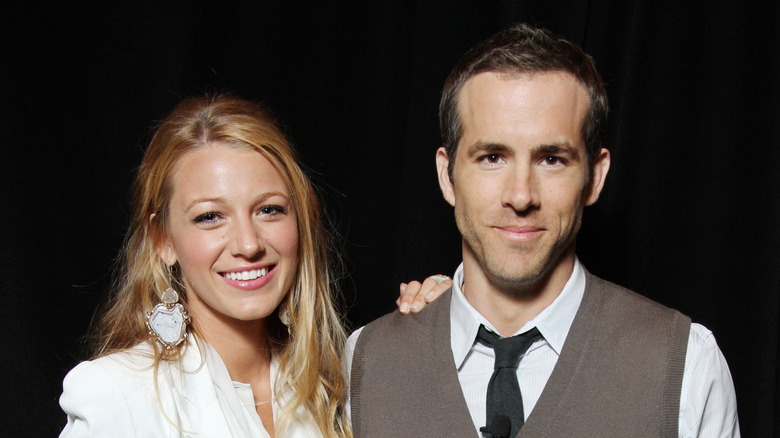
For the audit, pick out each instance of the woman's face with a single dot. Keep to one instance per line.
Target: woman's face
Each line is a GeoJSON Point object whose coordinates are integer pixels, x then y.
{"type": "Point", "coordinates": [232, 229]}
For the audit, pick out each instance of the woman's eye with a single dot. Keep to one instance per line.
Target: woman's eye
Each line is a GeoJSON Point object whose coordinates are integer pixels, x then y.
{"type": "Point", "coordinates": [207, 218]}
{"type": "Point", "coordinates": [271, 210]}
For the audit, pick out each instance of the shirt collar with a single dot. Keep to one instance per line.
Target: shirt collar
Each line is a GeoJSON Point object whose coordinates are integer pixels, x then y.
{"type": "Point", "coordinates": [553, 322]}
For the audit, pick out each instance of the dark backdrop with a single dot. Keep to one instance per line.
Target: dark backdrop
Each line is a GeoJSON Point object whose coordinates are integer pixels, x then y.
{"type": "Point", "coordinates": [689, 216]}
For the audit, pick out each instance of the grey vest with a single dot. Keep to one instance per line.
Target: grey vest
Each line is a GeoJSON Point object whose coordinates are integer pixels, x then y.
{"type": "Point", "coordinates": [619, 373]}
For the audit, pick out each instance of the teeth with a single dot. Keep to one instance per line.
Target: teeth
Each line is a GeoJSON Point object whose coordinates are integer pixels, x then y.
{"type": "Point", "coordinates": [247, 275]}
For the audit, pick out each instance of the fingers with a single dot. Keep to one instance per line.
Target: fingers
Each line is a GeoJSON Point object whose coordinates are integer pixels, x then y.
{"type": "Point", "coordinates": [415, 295]}
{"type": "Point", "coordinates": [408, 299]}
{"type": "Point", "coordinates": [443, 284]}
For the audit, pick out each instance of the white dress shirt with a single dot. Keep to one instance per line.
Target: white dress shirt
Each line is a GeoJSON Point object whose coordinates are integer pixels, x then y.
{"type": "Point", "coordinates": [708, 405]}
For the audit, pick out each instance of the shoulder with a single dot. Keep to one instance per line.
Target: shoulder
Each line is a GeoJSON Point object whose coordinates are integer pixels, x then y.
{"type": "Point", "coordinates": [396, 325]}
{"type": "Point", "coordinates": [395, 332]}
{"type": "Point", "coordinates": [625, 319]}
{"type": "Point", "coordinates": [704, 353]}
{"type": "Point", "coordinates": [123, 394]}
{"type": "Point", "coordinates": [396, 335]}
{"type": "Point", "coordinates": [627, 302]}
{"type": "Point", "coordinates": [112, 369]}
{"type": "Point", "coordinates": [91, 380]}
{"type": "Point", "coordinates": [127, 394]}
{"type": "Point", "coordinates": [101, 395]}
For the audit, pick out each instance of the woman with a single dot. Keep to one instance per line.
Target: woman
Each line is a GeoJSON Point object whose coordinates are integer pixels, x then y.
{"type": "Point", "coordinates": [227, 232]}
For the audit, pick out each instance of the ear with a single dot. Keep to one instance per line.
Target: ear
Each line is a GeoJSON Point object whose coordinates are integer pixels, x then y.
{"type": "Point", "coordinates": [598, 176]}
{"type": "Point", "coordinates": [445, 183]}
{"type": "Point", "coordinates": [162, 244]}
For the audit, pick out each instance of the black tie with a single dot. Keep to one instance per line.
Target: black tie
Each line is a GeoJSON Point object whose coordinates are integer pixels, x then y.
{"type": "Point", "coordinates": [503, 394]}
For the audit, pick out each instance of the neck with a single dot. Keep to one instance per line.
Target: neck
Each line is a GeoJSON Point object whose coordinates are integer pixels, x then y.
{"type": "Point", "coordinates": [509, 308]}
{"type": "Point", "coordinates": [242, 345]}
{"type": "Point", "coordinates": [244, 348]}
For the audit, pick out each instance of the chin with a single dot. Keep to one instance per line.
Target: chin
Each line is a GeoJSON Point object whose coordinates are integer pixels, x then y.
{"type": "Point", "coordinates": [519, 282]}
{"type": "Point", "coordinates": [257, 315]}
{"type": "Point", "coordinates": [249, 314]}
{"type": "Point", "coordinates": [529, 274]}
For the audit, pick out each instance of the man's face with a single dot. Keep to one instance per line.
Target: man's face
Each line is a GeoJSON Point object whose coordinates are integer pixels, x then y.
{"type": "Point", "coordinates": [519, 184]}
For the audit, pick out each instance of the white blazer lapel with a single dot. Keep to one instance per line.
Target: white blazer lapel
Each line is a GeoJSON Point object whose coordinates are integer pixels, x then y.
{"type": "Point", "coordinates": [206, 400]}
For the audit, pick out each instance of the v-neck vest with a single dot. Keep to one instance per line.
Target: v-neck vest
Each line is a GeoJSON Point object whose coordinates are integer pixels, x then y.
{"type": "Point", "coordinates": [619, 373]}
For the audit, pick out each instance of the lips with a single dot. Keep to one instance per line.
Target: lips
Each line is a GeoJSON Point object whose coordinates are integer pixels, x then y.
{"type": "Point", "coordinates": [249, 278]}
{"type": "Point", "coordinates": [246, 275]}
{"type": "Point", "coordinates": [520, 229]}
{"type": "Point", "coordinates": [520, 232]}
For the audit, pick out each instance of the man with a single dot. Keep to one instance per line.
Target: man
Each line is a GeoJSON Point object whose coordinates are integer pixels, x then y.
{"type": "Point", "coordinates": [522, 117]}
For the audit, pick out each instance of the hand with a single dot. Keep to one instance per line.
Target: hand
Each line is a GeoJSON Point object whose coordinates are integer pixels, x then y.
{"type": "Point", "coordinates": [415, 295]}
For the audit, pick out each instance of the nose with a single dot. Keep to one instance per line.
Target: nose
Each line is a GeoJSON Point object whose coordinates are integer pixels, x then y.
{"type": "Point", "coordinates": [247, 241]}
{"type": "Point", "coordinates": [520, 190]}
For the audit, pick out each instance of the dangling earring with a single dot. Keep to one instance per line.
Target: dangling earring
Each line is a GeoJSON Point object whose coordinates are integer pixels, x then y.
{"type": "Point", "coordinates": [284, 317]}
{"type": "Point", "coordinates": [167, 322]}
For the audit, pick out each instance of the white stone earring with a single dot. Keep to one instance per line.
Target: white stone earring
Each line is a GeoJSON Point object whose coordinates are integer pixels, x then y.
{"type": "Point", "coordinates": [284, 317]}
{"type": "Point", "coordinates": [167, 322]}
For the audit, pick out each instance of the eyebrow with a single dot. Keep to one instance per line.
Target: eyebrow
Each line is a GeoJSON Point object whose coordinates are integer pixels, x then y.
{"type": "Point", "coordinates": [553, 148]}
{"type": "Point", "coordinates": [482, 148]}
{"type": "Point", "coordinates": [557, 148]}
{"type": "Point", "coordinates": [220, 200]}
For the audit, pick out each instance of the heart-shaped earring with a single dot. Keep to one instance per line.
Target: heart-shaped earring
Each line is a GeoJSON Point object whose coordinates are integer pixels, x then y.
{"type": "Point", "coordinates": [167, 322]}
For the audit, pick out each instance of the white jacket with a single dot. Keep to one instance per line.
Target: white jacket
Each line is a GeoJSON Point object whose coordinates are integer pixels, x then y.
{"type": "Point", "coordinates": [115, 396]}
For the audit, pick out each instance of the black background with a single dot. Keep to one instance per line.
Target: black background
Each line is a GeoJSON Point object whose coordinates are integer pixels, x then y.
{"type": "Point", "coordinates": [689, 216]}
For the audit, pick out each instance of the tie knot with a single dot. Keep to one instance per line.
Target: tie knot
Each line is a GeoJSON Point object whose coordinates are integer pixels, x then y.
{"type": "Point", "coordinates": [508, 350]}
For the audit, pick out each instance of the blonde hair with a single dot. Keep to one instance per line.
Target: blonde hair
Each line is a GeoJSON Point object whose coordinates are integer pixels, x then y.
{"type": "Point", "coordinates": [309, 374]}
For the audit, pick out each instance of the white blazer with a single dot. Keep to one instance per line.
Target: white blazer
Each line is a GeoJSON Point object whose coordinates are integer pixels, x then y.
{"type": "Point", "coordinates": [115, 396]}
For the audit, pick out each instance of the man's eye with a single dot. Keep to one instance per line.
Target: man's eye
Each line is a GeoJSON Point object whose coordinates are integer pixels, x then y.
{"type": "Point", "coordinates": [491, 159]}
{"type": "Point", "coordinates": [553, 160]}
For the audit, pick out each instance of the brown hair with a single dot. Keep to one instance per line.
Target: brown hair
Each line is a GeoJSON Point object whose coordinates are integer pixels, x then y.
{"type": "Point", "coordinates": [309, 359]}
{"type": "Point", "coordinates": [522, 49]}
